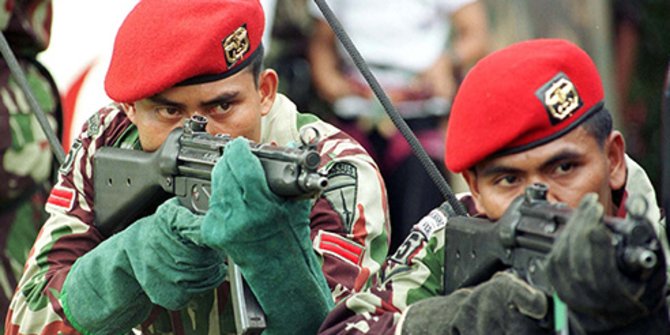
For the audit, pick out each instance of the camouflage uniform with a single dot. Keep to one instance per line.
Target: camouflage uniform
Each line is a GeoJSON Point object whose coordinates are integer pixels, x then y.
{"type": "Point", "coordinates": [25, 157]}
{"type": "Point", "coordinates": [349, 225]}
{"type": "Point", "coordinates": [416, 271]}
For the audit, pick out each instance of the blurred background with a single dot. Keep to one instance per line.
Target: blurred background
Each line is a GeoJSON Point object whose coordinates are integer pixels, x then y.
{"type": "Point", "coordinates": [628, 40]}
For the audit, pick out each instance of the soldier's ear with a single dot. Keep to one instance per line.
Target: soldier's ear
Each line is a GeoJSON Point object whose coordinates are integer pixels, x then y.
{"type": "Point", "coordinates": [470, 177]}
{"type": "Point", "coordinates": [268, 82]}
{"type": "Point", "coordinates": [615, 149]}
{"type": "Point", "coordinates": [129, 109]}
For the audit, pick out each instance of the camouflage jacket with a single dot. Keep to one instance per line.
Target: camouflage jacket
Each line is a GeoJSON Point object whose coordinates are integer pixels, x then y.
{"type": "Point", "coordinates": [25, 157]}
{"type": "Point", "coordinates": [416, 271]}
{"type": "Point", "coordinates": [349, 226]}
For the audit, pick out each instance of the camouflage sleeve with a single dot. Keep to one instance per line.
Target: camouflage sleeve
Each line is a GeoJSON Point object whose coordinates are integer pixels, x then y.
{"type": "Point", "coordinates": [413, 273]}
{"type": "Point", "coordinates": [349, 222]}
{"type": "Point", "coordinates": [67, 235]}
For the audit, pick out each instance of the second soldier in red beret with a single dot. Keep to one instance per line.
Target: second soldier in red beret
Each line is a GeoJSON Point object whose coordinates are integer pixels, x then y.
{"type": "Point", "coordinates": [531, 113]}
{"type": "Point", "coordinates": [166, 273]}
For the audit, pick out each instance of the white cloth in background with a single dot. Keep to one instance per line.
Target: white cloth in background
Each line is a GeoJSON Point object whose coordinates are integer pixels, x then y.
{"type": "Point", "coordinates": [404, 34]}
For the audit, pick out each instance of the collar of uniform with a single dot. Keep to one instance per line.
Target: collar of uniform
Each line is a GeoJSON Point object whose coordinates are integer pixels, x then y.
{"type": "Point", "coordinates": [279, 125]}
{"type": "Point", "coordinates": [637, 182]}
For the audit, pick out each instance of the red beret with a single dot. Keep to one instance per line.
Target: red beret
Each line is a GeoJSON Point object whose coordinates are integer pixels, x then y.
{"type": "Point", "coordinates": [520, 97]}
{"type": "Point", "coordinates": [162, 43]}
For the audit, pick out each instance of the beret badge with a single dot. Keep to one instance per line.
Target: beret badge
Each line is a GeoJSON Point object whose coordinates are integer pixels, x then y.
{"type": "Point", "coordinates": [236, 45]}
{"type": "Point", "coordinates": [559, 97]}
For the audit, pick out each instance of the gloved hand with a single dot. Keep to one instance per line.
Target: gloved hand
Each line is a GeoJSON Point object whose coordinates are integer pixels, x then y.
{"type": "Point", "coordinates": [503, 305]}
{"type": "Point", "coordinates": [267, 236]}
{"type": "Point", "coordinates": [158, 259]}
{"type": "Point", "coordinates": [582, 267]}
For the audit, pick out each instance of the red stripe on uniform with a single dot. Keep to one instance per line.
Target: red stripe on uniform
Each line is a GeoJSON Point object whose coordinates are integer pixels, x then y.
{"type": "Point", "coordinates": [62, 193]}
{"type": "Point", "coordinates": [337, 250]}
{"type": "Point", "coordinates": [59, 202]}
{"type": "Point", "coordinates": [344, 244]}
{"type": "Point", "coordinates": [61, 197]}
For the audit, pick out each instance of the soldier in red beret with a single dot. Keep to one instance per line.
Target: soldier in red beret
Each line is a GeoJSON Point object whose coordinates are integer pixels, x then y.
{"type": "Point", "coordinates": [531, 113]}
{"type": "Point", "coordinates": [166, 272]}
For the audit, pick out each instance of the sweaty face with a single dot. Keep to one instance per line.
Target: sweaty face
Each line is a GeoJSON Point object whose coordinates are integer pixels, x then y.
{"type": "Point", "coordinates": [232, 105]}
{"type": "Point", "coordinates": [570, 166]}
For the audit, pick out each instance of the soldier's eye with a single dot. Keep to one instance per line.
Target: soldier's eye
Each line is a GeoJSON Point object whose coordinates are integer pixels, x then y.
{"type": "Point", "coordinates": [565, 168]}
{"type": "Point", "coordinates": [168, 113]}
{"type": "Point", "coordinates": [507, 180]}
{"type": "Point", "coordinates": [221, 108]}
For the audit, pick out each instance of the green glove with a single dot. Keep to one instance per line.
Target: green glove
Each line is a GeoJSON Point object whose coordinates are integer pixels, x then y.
{"type": "Point", "coordinates": [156, 260]}
{"type": "Point", "coordinates": [268, 238]}
{"type": "Point", "coordinates": [582, 267]}
{"type": "Point", "coordinates": [503, 305]}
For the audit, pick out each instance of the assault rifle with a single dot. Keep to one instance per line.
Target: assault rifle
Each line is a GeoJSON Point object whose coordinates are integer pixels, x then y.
{"type": "Point", "coordinates": [476, 248]}
{"type": "Point", "coordinates": [130, 184]}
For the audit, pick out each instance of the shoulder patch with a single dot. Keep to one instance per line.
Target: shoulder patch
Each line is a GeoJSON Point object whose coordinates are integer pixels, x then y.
{"type": "Point", "coordinates": [61, 198]}
{"type": "Point", "coordinates": [338, 246]}
{"type": "Point", "coordinates": [94, 125]}
{"type": "Point", "coordinates": [408, 248]}
{"type": "Point", "coordinates": [342, 190]}
{"type": "Point", "coordinates": [66, 167]}
{"type": "Point", "coordinates": [431, 222]}
{"type": "Point", "coordinates": [420, 233]}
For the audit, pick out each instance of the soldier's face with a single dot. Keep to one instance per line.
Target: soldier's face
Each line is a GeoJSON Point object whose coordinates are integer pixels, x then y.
{"type": "Point", "coordinates": [232, 105]}
{"type": "Point", "coordinates": [570, 166]}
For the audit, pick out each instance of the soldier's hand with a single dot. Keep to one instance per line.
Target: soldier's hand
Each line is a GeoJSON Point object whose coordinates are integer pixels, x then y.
{"type": "Point", "coordinates": [268, 237]}
{"type": "Point", "coordinates": [582, 267]}
{"type": "Point", "coordinates": [158, 260]}
{"type": "Point", "coordinates": [242, 207]}
{"type": "Point", "coordinates": [503, 305]}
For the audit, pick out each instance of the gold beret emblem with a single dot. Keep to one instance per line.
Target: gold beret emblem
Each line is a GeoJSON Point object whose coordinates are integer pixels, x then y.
{"type": "Point", "coordinates": [560, 98]}
{"type": "Point", "coordinates": [236, 45]}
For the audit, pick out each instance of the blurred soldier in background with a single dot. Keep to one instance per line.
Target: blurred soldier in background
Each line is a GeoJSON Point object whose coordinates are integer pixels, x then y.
{"type": "Point", "coordinates": [25, 157]}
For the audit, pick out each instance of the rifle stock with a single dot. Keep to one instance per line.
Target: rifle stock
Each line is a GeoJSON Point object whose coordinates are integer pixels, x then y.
{"type": "Point", "coordinates": [130, 184]}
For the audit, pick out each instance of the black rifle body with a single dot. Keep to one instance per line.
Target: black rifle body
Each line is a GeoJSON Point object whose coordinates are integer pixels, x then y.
{"type": "Point", "coordinates": [476, 248]}
{"type": "Point", "coordinates": [130, 182]}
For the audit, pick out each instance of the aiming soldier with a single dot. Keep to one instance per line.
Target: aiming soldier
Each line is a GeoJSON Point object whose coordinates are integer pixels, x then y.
{"type": "Point", "coordinates": [530, 113]}
{"type": "Point", "coordinates": [166, 273]}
